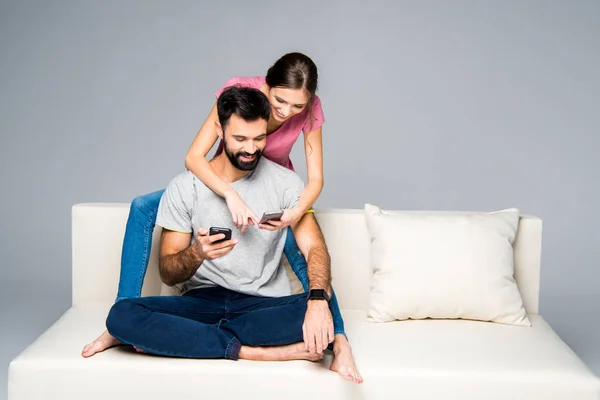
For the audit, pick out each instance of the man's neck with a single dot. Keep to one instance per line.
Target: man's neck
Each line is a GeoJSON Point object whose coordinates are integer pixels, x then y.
{"type": "Point", "coordinates": [225, 170]}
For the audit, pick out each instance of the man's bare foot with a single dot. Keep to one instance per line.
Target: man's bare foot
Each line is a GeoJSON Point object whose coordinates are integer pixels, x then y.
{"type": "Point", "coordinates": [104, 341]}
{"type": "Point", "coordinates": [278, 353]}
{"type": "Point", "coordinates": [343, 360]}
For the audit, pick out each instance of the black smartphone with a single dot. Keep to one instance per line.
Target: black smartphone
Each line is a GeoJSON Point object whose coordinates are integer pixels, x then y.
{"type": "Point", "coordinates": [271, 215]}
{"type": "Point", "coordinates": [215, 230]}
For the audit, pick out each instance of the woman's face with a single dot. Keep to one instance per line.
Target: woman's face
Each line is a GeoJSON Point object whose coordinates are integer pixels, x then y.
{"type": "Point", "coordinates": [285, 103]}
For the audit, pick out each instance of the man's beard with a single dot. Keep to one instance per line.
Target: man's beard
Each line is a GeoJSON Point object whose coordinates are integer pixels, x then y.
{"type": "Point", "coordinates": [236, 160]}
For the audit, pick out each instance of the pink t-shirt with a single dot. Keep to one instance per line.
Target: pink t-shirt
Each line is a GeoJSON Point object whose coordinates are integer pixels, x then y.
{"type": "Point", "coordinates": [280, 142]}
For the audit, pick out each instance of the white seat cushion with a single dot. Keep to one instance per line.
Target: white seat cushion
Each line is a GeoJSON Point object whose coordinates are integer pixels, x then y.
{"type": "Point", "coordinates": [424, 359]}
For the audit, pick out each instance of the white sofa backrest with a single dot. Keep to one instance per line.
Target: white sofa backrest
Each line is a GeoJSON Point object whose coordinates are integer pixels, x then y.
{"type": "Point", "coordinates": [98, 230]}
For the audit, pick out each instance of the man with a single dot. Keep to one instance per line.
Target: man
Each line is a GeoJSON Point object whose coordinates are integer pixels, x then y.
{"type": "Point", "coordinates": [236, 300]}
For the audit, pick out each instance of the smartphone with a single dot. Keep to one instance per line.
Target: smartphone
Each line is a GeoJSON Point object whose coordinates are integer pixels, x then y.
{"type": "Point", "coordinates": [271, 215]}
{"type": "Point", "coordinates": [215, 230]}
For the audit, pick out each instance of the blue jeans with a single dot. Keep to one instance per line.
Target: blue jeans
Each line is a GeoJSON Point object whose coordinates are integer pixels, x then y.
{"type": "Point", "coordinates": [138, 243]}
{"type": "Point", "coordinates": [207, 323]}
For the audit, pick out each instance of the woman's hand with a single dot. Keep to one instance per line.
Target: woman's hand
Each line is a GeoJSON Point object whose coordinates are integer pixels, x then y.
{"type": "Point", "coordinates": [290, 217]}
{"type": "Point", "coordinates": [241, 214]}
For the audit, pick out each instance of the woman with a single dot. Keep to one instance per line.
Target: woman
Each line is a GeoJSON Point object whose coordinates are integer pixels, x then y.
{"type": "Point", "coordinates": [290, 85]}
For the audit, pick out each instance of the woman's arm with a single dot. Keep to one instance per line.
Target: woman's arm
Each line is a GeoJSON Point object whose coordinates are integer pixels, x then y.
{"type": "Point", "coordinates": [313, 147]}
{"type": "Point", "coordinates": [195, 161]}
{"type": "Point", "coordinates": [314, 162]}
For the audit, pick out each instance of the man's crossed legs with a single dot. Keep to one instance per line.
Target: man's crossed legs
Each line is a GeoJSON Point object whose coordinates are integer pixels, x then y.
{"type": "Point", "coordinates": [213, 323]}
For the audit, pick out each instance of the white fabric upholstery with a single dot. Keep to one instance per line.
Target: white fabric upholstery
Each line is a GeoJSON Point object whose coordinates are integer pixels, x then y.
{"type": "Point", "coordinates": [423, 359]}
{"type": "Point", "coordinates": [98, 230]}
{"type": "Point", "coordinates": [408, 359]}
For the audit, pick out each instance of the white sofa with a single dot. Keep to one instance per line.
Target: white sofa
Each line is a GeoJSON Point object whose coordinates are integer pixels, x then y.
{"type": "Point", "coordinates": [416, 359]}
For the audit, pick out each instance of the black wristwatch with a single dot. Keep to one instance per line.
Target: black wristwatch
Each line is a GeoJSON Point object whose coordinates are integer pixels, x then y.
{"type": "Point", "coordinates": [318, 294]}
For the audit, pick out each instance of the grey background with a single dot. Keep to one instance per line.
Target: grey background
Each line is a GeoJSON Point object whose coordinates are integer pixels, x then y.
{"type": "Point", "coordinates": [462, 105]}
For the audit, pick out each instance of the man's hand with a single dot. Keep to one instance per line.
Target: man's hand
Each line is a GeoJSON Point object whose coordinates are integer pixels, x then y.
{"type": "Point", "coordinates": [318, 326]}
{"type": "Point", "coordinates": [206, 249]}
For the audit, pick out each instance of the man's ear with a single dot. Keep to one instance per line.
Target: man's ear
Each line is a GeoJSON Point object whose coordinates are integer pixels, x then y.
{"type": "Point", "coordinates": [219, 129]}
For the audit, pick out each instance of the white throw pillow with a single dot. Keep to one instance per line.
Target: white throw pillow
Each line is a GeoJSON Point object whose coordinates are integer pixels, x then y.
{"type": "Point", "coordinates": [444, 266]}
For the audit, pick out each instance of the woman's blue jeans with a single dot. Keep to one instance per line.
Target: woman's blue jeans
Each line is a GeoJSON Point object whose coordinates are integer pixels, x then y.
{"type": "Point", "coordinates": [138, 243]}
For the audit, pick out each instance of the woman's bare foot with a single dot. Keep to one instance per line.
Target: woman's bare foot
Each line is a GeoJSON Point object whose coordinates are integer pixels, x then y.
{"type": "Point", "coordinates": [104, 341]}
{"type": "Point", "coordinates": [343, 360]}
{"type": "Point", "coordinates": [279, 353]}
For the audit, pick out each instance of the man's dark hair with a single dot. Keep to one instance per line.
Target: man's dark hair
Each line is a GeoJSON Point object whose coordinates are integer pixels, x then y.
{"type": "Point", "coordinates": [247, 103]}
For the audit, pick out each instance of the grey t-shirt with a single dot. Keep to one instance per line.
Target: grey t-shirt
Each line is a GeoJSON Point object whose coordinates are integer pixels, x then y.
{"type": "Point", "coordinates": [254, 265]}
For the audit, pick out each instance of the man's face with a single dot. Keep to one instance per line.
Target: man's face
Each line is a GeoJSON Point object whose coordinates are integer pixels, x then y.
{"type": "Point", "coordinates": [244, 142]}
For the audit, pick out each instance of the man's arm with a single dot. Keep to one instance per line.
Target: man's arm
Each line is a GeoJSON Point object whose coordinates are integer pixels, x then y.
{"type": "Point", "coordinates": [317, 329]}
{"type": "Point", "coordinates": [311, 243]}
{"type": "Point", "coordinates": [179, 261]}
